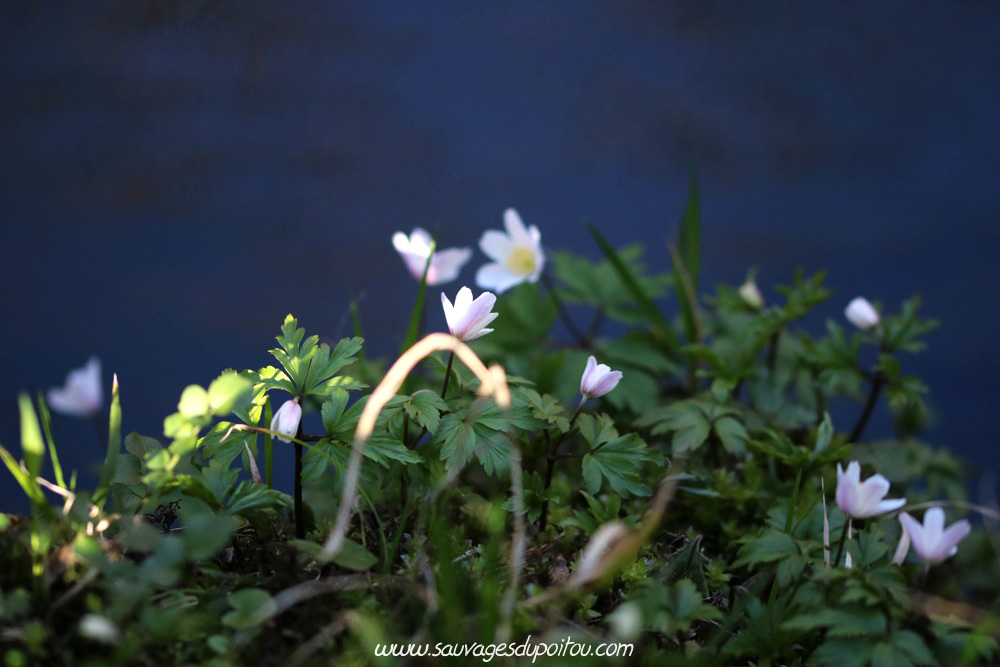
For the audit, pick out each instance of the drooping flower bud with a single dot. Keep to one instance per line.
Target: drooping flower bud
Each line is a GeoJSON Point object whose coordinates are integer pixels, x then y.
{"type": "Point", "coordinates": [751, 295]}
{"type": "Point", "coordinates": [862, 314]}
{"type": "Point", "coordinates": [286, 420]}
{"type": "Point", "coordinates": [598, 379]}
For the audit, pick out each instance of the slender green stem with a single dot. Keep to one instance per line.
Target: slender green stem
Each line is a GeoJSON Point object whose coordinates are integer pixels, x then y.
{"type": "Point", "coordinates": [447, 374]}
{"type": "Point", "coordinates": [551, 462]}
{"type": "Point", "coordinates": [563, 314]}
{"type": "Point", "coordinates": [788, 526]}
{"type": "Point", "coordinates": [859, 428]}
{"type": "Point", "coordinates": [300, 530]}
{"type": "Point", "coordinates": [843, 539]}
{"type": "Point", "coordinates": [268, 446]}
{"type": "Point", "coordinates": [772, 350]}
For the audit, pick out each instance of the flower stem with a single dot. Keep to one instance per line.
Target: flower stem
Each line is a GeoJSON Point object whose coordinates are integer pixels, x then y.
{"type": "Point", "coordinates": [447, 374]}
{"type": "Point", "coordinates": [772, 350]}
{"type": "Point", "coordinates": [877, 383]}
{"type": "Point", "coordinates": [300, 530]}
{"type": "Point", "coordinates": [581, 340]}
{"type": "Point", "coordinates": [843, 538]}
{"type": "Point", "coordinates": [550, 463]}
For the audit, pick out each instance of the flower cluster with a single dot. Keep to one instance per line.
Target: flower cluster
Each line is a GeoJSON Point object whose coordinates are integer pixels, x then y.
{"type": "Point", "coordinates": [861, 500]}
{"type": "Point", "coordinates": [516, 256]}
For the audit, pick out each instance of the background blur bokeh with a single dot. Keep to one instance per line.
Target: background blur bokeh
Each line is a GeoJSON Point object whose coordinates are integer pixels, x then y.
{"type": "Point", "coordinates": [177, 175]}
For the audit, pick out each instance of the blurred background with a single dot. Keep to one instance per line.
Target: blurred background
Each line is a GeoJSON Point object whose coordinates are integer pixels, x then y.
{"type": "Point", "coordinates": [178, 175]}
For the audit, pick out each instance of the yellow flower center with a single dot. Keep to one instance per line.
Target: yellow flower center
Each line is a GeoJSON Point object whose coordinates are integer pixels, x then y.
{"type": "Point", "coordinates": [521, 261]}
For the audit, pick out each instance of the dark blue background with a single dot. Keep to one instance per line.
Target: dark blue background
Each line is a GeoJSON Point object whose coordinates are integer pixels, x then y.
{"type": "Point", "coordinates": [176, 176]}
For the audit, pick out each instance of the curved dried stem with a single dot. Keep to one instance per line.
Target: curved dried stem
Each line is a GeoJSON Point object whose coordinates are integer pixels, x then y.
{"type": "Point", "coordinates": [493, 382]}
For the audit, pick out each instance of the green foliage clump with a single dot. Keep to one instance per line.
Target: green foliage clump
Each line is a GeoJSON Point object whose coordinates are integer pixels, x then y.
{"type": "Point", "coordinates": [686, 517]}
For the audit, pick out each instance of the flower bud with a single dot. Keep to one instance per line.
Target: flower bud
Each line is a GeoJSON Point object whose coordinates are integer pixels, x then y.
{"type": "Point", "coordinates": [751, 295]}
{"type": "Point", "coordinates": [862, 314]}
{"type": "Point", "coordinates": [598, 379]}
{"type": "Point", "coordinates": [286, 420]}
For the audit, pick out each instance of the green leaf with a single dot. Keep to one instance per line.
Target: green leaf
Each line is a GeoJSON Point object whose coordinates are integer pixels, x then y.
{"type": "Point", "coordinates": [251, 608]}
{"type": "Point", "coordinates": [353, 556]}
{"type": "Point", "coordinates": [383, 448]}
{"type": "Point", "coordinates": [620, 462]}
{"type": "Point", "coordinates": [141, 446]}
{"type": "Point", "coordinates": [225, 391]}
{"type": "Point", "coordinates": [732, 434]}
{"type": "Point", "coordinates": [32, 445]}
{"type": "Point", "coordinates": [772, 545]}
{"type": "Point", "coordinates": [194, 402]}
{"type": "Point", "coordinates": [425, 408]}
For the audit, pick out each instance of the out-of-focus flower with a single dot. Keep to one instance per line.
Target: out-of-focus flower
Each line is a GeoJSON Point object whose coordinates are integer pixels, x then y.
{"type": "Point", "coordinates": [862, 314]}
{"type": "Point", "coordinates": [598, 379]}
{"type": "Point", "coordinates": [517, 255]}
{"type": "Point", "coordinates": [81, 396]}
{"type": "Point", "coordinates": [467, 318]}
{"type": "Point", "coordinates": [99, 628]}
{"type": "Point", "coordinates": [751, 295]}
{"type": "Point", "coordinates": [286, 420]}
{"type": "Point", "coordinates": [416, 248]}
{"type": "Point", "coordinates": [931, 540]}
{"type": "Point", "coordinates": [862, 500]}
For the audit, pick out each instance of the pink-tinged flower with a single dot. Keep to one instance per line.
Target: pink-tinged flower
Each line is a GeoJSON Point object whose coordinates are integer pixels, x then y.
{"type": "Point", "coordinates": [598, 379]}
{"type": "Point", "coordinates": [81, 396]}
{"type": "Point", "coordinates": [286, 420]}
{"type": "Point", "coordinates": [467, 319]}
{"type": "Point", "coordinates": [416, 248]}
{"type": "Point", "coordinates": [931, 540]}
{"type": "Point", "coordinates": [862, 314]}
{"type": "Point", "coordinates": [517, 255]}
{"type": "Point", "coordinates": [862, 500]}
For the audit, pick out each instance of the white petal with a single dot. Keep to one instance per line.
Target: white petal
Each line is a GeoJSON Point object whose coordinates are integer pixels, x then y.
{"type": "Point", "coordinates": [495, 245]}
{"type": "Point", "coordinates": [518, 234]}
{"type": "Point", "coordinates": [497, 278]}
{"type": "Point", "coordinates": [401, 242]}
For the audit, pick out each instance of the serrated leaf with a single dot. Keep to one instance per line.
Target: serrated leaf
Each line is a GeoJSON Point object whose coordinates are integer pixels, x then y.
{"type": "Point", "coordinates": [620, 462]}
{"type": "Point", "coordinates": [732, 434]}
{"type": "Point", "coordinates": [225, 391]}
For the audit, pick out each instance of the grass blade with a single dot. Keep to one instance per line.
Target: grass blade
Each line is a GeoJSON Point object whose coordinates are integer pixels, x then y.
{"type": "Point", "coordinates": [114, 447]}
{"type": "Point", "coordinates": [32, 446]}
{"type": "Point", "coordinates": [43, 413]}
{"type": "Point", "coordinates": [661, 327]}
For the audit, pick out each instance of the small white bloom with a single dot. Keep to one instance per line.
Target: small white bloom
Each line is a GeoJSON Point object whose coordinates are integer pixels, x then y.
{"type": "Point", "coordinates": [517, 255]}
{"type": "Point", "coordinates": [81, 396]}
{"type": "Point", "coordinates": [862, 500]}
{"type": "Point", "coordinates": [467, 318]}
{"type": "Point", "coordinates": [862, 314]}
{"type": "Point", "coordinates": [598, 379]}
{"type": "Point", "coordinates": [751, 295]}
{"type": "Point", "coordinates": [416, 248]}
{"type": "Point", "coordinates": [286, 420]}
{"type": "Point", "coordinates": [931, 540]}
{"type": "Point", "coordinates": [99, 628]}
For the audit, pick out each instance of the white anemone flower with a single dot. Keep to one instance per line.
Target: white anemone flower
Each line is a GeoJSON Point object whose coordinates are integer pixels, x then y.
{"type": "Point", "coordinates": [862, 314]}
{"type": "Point", "coordinates": [81, 396]}
{"type": "Point", "coordinates": [517, 255]}
{"type": "Point", "coordinates": [416, 248]}
{"type": "Point", "coordinates": [931, 540]}
{"type": "Point", "coordinates": [860, 500]}
{"type": "Point", "coordinates": [598, 379]}
{"type": "Point", "coordinates": [467, 319]}
{"type": "Point", "coordinates": [286, 420]}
